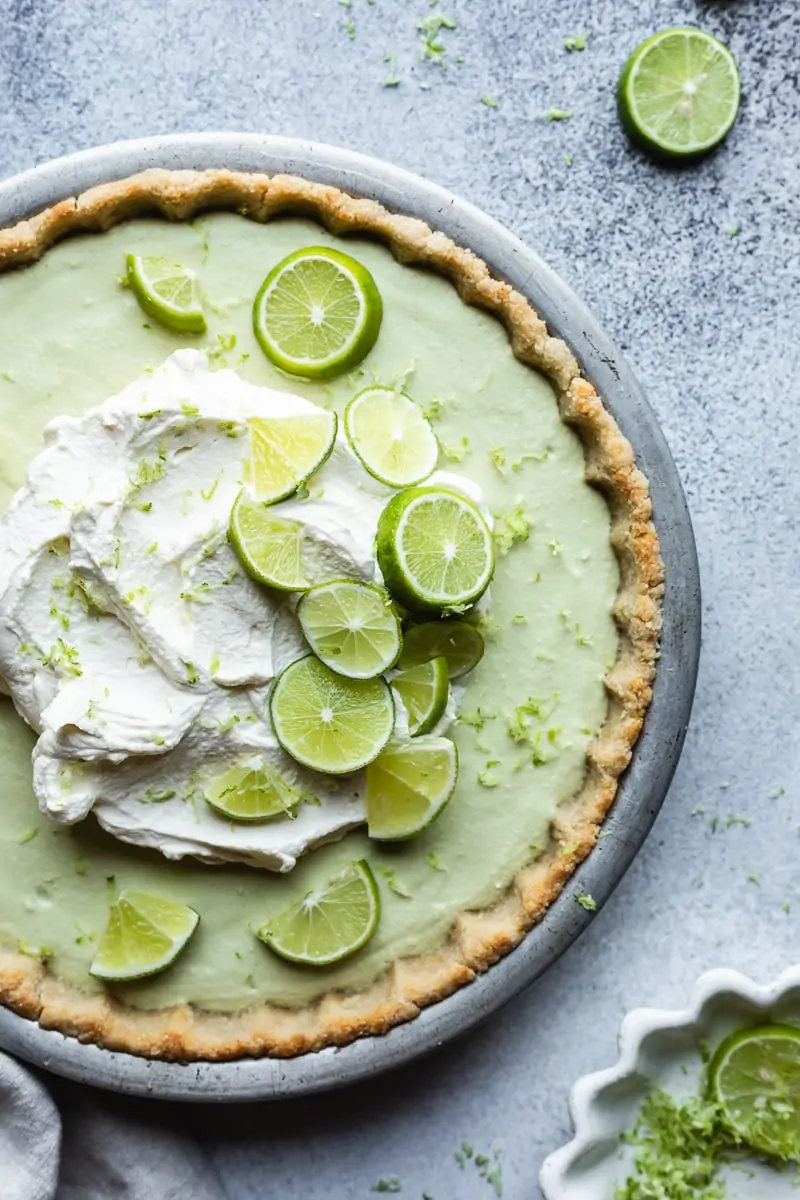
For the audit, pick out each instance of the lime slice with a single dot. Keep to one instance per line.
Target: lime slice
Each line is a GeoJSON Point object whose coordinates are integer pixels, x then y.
{"type": "Point", "coordinates": [167, 292]}
{"type": "Point", "coordinates": [679, 93]}
{"type": "Point", "coordinates": [252, 791]}
{"type": "Point", "coordinates": [329, 723]}
{"type": "Point", "coordinates": [144, 935]}
{"type": "Point", "coordinates": [389, 434]}
{"type": "Point", "coordinates": [275, 550]}
{"type": "Point", "coordinates": [408, 785]}
{"type": "Point", "coordinates": [318, 313]}
{"type": "Point", "coordinates": [351, 626]}
{"type": "Point", "coordinates": [327, 925]}
{"type": "Point", "coordinates": [284, 451]}
{"type": "Point", "coordinates": [424, 691]}
{"type": "Point", "coordinates": [755, 1076]}
{"type": "Point", "coordinates": [459, 643]}
{"type": "Point", "coordinates": [434, 549]}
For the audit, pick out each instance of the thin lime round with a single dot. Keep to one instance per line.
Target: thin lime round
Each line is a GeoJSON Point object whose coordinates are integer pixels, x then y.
{"type": "Point", "coordinates": [679, 93]}
{"type": "Point", "coordinates": [329, 924]}
{"type": "Point", "coordinates": [434, 549]}
{"type": "Point", "coordinates": [424, 691]}
{"type": "Point", "coordinates": [285, 451]}
{"type": "Point", "coordinates": [167, 292]}
{"type": "Point", "coordinates": [390, 435]}
{"type": "Point", "coordinates": [318, 313]}
{"type": "Point", "coordinates": [458, 642]}
{"type": "Point", "coordinates": [274, 550]}
{"type": "Point", "coordinates": [352, 626]}
{"type": "Point", "coordinates": [408, 786]}
{"type": "Point", "coordinates": [251, 791]}
{"type": "Point", "coordinates": [144, 935]}
{"type": "Point", "coordinates": [755, 1077]}
{"type": "Point", "coordinates": [329, 723]}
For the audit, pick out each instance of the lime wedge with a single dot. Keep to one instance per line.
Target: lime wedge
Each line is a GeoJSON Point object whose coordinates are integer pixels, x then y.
{"type": "Point", "coordinates": [408, 786]}
{"type": "Point", "coordinates": [252, 791]}
{"type": "Point", "coordinates": [144, 935]}
{"type": "Point", "coordinates": [318, 313]}
{"type": "Point", "coordinates": [389, 434]}
{"type": "Point", "coordinates": [351, 626]}
{"type": "Point", "coordinates": [284, 451]}
{"type": "Point", "coordinates": [459, 643]}
{"type": "Point", "coordinates": [424, 691]}
{"type": "Point", "coordinates": [327, 925]}
{"type": "Point", "coordinates": [167, 292]}
{"type": "Point", "coordinates": [274, 550]}
{"type": "Point", "coordinates": [329, 723]}
{"type": "Point", "coordinates": [755, 1077]}
{"type": "Point", "coordinates": [434, 549]}
{"type": "Point", "coordinates": [679, 93]}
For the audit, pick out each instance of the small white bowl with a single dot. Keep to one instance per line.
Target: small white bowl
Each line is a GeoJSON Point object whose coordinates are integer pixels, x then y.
{"type": "Point", "coordinates": [658, 1048]}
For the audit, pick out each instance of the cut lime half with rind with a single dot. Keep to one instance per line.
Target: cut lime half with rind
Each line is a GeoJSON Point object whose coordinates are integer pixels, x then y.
{"type": "Point", "coordinates": [434, 549]}
{"type": "Point", "coordinates": [391, 437]}
{"type": "Point", "coordinates": [318, 313]}
{"type": "Point", "coordinates": [252, 791]}
{"type": "Point", "coordinates": [286, 451]}
{"type": "Point", "coordinates": [329, 924]}
{"type": "Point", "coordinates": [408, 787]}
{"type": "Point", "coordinates": [424, 690]}
{"type": "Point", "coordinates": [458, 642]}
{"type": "Point", "coordinates": [275, 550]}
{"type": "Point", "coordinates": [167, 292]}
{"type": "Point", "coordinates": [679, 94]}
{"type": "Point", "coordinates": [329, 723]}
{"type": "Point", "coordinates": [755, 1077]}
{"type": "Point", "coordinates": [144, 935]}
{"type": "Point", "coordinates": [352, 626]}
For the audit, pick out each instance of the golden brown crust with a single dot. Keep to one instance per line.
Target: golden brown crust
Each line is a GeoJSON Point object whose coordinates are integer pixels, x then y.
{"type": "Point", "coordinates": [478, 938]}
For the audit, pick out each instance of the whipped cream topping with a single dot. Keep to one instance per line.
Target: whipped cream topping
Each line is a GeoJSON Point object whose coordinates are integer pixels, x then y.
{"type": "Point", "coordinates": [133, 641]}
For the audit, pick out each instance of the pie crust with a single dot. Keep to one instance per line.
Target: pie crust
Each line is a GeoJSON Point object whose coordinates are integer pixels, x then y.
{"type": "Point", "coordinates": [477, 939]}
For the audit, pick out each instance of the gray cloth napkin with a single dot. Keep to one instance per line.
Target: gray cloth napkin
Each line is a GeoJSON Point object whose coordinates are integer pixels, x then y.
{"type": "Point", "coordinates": [72, 1143]}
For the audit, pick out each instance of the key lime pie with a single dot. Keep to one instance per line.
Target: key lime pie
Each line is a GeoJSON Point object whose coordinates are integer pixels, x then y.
{"type": "Point", "coordinates": [329, 612]}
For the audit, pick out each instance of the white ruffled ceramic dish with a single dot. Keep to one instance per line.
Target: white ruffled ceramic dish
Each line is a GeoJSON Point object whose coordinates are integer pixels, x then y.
{"type": "Point", "coordinates": [659, 1048]}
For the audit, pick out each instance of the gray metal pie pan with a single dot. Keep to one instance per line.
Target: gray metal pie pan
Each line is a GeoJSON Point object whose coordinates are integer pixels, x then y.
{"type": "Point", "coordinates": [646, 781]}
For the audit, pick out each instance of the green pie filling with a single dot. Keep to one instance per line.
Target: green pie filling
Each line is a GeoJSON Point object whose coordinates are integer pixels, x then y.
{"type": "Point", "coordinates": [69, 337]}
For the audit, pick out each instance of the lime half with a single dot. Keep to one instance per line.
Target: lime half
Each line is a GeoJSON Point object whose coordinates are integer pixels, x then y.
{"type": "Point", "coordinates": [168, 293]}
{"type": "Point", "coordinates": [284, 451]}
{"type": "Point", "coordinates": [329, 924]}
{"type": "Point", "coordinates": [318, 313]}
{"type": "Point", "coordinates": [424, 691]}
{"type": "Point", "coordinates": [275, 550]}
{"type": "Point", "coordinates": [679, 93]}
{"type": "Point", "coordinates": [252, 791]}
{"type": "Point", "coordinates": [459, 643]}
{"type": "Point", "coordinates": [755, 1077]}
{"type": "Point", "coordinates": [434, 549]}
{"type": "Point", "coordinates": [351, 626]}
{"type": "Point", "coordinates": [329, 723]}
{"type": "Point", "coordinates": [408, 786]}
{"type": "Point", "coordinates": [391, 436]}
{"type": "Point", "coordinates": [144, 935]}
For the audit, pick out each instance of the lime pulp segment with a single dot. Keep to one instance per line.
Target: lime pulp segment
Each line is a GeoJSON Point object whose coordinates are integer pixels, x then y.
{"type": "Point", "coordinates": [276, 551]}
{"type": "Point", "coordinates": [253, 791]}
{"type": "Point", "coordinates": [424, 691]}
{"type": "Point", "coordinates": [352, 626]}
{"type": "Point", "coordinates": [408, 786]}
{"type": "Point", "coordinates": [285, 451]}
{"type": "Point", "coordinates": [434, 549]}
{"type": "Point", "coordinates": [458, 642]}
{"type": "Point", "coordinates": [679, 93]}
{"type": "Point", "coordinates": [144, 935]}
{"type": "Point", "coordinates": [318, 313]}
{"type": "Point", "coordinates": [390, 435]}
{"type": "Point", "coordinates": [329, 723]}
{"type": "Point", "coordinates": [328, 925]}
{"type": "Point", "coordinates": [168, 293]}
{"type": "Point", "coordinates": [755, 1077]}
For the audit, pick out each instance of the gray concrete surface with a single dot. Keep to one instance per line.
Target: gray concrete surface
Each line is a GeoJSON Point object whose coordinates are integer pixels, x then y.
{"type": "Point", "coordinates": [696, 275]}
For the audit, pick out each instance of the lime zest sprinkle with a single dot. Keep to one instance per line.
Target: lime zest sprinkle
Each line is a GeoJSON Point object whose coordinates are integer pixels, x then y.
{"type": "Point", "coordinates": [489, 102]}
{"type": "Point", "coordinates": [456, 451]}
{"type": "Point", "coordinates": [679, 1148]}
{"type": "Point", "coordinates": [576, 42]}
{"type": "Point", "coordinates": [208, 493]}
{"type": "Point", "coordinates": [485, 779]}
{"type": "Point", "coordinates": [148, 416]}
{"type": "Point", "coordinates": [498, 459]}
{"type": "Point", "coordinates": [736, 819]}
{"type": "Point", "coordinates": [27, 836]}
{"type": "Point", "coordinates": [587, 901]}
{"type": "Point", "coordinates": [391, 79]}
{"type": "Point", "coordinates": [753, 878]}
{"type": "Point", "coordinates": [394, 884]}
{"type": "Point", "coordinates": [512, 527]}
{"type": "Point", "coordinates": [392, 1185]}
{"type": "Point", "coordinates": [153, 797]}
{"type": "Point", "coordinates": [190, 410]}
{"type": "Point", "coordinates": [80, 865]}
{"type": "Point", "coordinates": [435, 863]}
{"type": "Point", "coordinates": [431, 46]}
{"type": "Point", "coordinates": [476, 719]}
{"type": "Point", "coordinates": [34, 951]}
{"type": "Point", "coordinates": [192, 676]}
{"type": "Point", "coordinates": [558, 114]}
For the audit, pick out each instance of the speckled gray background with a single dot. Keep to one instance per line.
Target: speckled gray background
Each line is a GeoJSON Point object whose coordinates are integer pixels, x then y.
{"type": "Point", "coordinates": [696, 275]}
